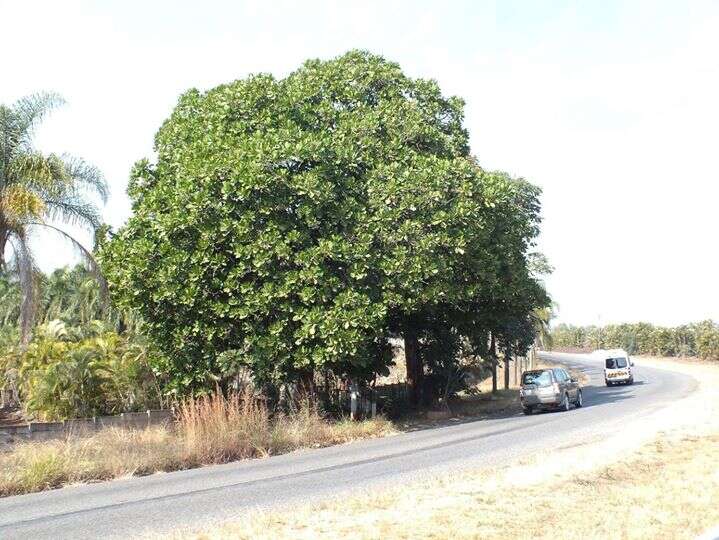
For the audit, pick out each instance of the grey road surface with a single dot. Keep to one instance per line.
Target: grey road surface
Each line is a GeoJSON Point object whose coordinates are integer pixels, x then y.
{"type": "Point", "coordinates": [162, 502]}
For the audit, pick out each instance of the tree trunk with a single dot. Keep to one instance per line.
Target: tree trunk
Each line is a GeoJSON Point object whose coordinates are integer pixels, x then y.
{"type": "Point", "coordinates": [121, 326]}
{"type": "Point", "coordinates": [307, 384]}
{"type": "Point", "coordinates": [4, 233]}
{"type": "Point", "coordinates": [493, 356]}
{"type": "Point", "coordinates": [507, 360]}
{"type": "Point", "coordinates": [415, 369]}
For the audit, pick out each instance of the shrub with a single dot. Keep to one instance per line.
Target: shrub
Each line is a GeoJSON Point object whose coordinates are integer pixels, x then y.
{"type": "Point", "coordinates": [68, 373]}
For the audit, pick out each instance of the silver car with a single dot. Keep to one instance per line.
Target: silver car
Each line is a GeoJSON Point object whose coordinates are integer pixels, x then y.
{"type": "Point", "coordinates": [549, 389]}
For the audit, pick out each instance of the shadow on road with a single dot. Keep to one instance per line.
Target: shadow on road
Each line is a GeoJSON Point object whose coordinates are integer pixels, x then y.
{"type": "Point", "coordinates": [605, 395]}
{"type": "Point", "coordinates": [595, 395]}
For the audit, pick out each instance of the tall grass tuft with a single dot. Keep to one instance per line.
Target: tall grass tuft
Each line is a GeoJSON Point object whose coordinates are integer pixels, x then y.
{"type": "Point", "coordinates": [208, 430]}
{"type": "Point", "coordinates": [217, 429]}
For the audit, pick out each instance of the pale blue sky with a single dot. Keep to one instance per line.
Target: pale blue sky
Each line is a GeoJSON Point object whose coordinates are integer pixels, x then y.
{"type": "Point", "coordinates": [611, 107]}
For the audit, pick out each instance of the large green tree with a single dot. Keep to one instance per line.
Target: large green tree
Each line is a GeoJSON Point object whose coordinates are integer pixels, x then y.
{"type": "Point", "coordinates": [38, 190]}
{"type": "Point", "coordinates": [298, 223]}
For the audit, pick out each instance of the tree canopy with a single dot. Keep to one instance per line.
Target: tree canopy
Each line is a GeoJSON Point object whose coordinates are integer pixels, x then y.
{"type": "Point", "coordinates": [298, 223]}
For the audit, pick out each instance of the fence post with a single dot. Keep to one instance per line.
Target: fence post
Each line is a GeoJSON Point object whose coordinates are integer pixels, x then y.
{"type": "Point", "coordinates": [353, 401]}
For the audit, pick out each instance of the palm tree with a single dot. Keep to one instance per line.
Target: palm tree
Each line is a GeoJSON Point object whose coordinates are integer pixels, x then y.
{"type": "Point", "coordinates": [37, 189]}
{"type": "Point", "coordinates": [542, 317]}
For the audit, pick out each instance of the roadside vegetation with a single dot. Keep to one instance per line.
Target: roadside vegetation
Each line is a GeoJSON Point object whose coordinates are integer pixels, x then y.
{"type": "Point", "coordinates": [698, 339]}
{"type": "Point", "coordinates": [209, 430]}
{"type": "Point", "coordinates": [83, 359]}
{"type": "Point", "coordinates": [291, 227]}
{"type": "Point", "coordinates": [214, 429]}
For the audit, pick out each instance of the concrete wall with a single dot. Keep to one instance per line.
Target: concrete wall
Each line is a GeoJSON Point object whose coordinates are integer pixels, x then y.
{"type": "Point", "coordinates": [40, 431]}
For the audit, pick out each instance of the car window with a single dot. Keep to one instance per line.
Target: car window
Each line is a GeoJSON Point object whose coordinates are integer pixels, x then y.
{"type": "Point", "coordinates": [540, 378]}
{"type": "Point", "coordinates": [559, 374]}
{"type": "Point", "coordinates": [616, 363]}
{"type": "Point", "coordinates": [567, 376]}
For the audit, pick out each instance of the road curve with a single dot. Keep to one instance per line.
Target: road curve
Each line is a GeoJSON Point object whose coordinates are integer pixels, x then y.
{"type": "Point", "coordinates": [162, 502]}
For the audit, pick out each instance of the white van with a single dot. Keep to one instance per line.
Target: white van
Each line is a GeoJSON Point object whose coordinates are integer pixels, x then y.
{"type": "Point", "coordinates": [617, 367]}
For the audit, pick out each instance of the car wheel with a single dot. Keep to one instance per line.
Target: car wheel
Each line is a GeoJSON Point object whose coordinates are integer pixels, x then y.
{"type": "Point", "coordinates": [527, 410]}
{"type": "Point", "coordinates": [608, 383]}
{"type": "Point", "coordinates": [631, 380]}
{"type": "Point", "coordinates": [566, 404]}
{"type": "Point", "coordinates": [579, 401]}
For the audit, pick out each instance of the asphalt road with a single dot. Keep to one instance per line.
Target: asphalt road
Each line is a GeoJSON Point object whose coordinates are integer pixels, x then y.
{"type": "Point", "coordinates": [162, 502]}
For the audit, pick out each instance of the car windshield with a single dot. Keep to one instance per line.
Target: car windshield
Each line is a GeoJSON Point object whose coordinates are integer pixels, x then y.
{"type": "Point", "coordinates": [616, 363]}
{"type": "Point", "coordinates": [540, 378]}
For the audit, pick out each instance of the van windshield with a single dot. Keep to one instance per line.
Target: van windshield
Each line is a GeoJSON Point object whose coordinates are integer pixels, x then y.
{"type": "Point", "coordinates": [540, 378]}
{"type": "Point", "coordinates": [616, 363]}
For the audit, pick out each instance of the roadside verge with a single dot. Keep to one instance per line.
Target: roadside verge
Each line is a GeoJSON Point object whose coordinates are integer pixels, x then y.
{"type": "Point", "coordinates": [657, 478]}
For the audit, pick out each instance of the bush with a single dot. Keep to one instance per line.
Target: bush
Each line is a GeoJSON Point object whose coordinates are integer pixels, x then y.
{"type": "Point", "coordinates": [69, 373]}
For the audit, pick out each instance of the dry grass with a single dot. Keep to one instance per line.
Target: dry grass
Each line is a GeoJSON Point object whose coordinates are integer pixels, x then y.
{"type": "Point", "coordinates": [664, 491]}
{"type": "Point", "coordinates": [209, 430]}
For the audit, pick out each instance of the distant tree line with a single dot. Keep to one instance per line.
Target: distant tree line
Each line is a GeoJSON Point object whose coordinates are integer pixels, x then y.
{"type": "Point", "coordinates": [697, 339]}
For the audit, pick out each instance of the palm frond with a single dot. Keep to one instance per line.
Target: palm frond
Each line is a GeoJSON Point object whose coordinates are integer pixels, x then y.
{"type": "Point", "coordinates": [33, 169]}
{"type": "Point", "coordinates": [92, 265]}
{"type": "Point", "coordinates": [72, 209]}
{"type": "Point", "coordinates": [30, 111]}
{"type": "Point", "coordinates": [87, 176]}
{"type": "Point", "coordinates": [66, 198]}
